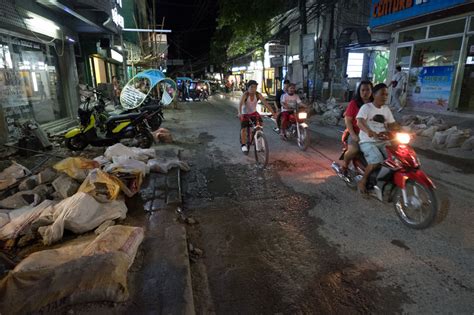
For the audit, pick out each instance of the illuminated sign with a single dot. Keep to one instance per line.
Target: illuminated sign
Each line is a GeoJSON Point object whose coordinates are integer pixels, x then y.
{"type": "Point", "coordinates": [385, 12]}
{"type": "Point", "coordinates": [117, 18]}
{"type": "Point", "coordinates": [116, 56]}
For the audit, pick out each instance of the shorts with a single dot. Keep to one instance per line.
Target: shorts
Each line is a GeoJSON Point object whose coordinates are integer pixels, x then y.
{"type": "Point", "coordinates": [245, 122]}
{"type": "Point", "coordinates": [374, 152]}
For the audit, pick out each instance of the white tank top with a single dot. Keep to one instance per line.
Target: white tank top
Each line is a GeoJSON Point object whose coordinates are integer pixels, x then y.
{"type": "Point", "coordinates": [250, 106]}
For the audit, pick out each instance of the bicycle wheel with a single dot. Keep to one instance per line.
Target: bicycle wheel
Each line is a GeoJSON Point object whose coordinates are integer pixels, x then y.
{"type": "Point", "coordinates": [261, 149]}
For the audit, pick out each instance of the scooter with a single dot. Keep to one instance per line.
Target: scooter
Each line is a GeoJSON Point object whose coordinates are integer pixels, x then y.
{"type": "Point", "coordinates": [399, 180]}
{"type": "Point", "coordinates": [131, 127]}
{"type": "Point", "coordinates": [154, 113]}
{"type": "Point", "coordinates": [298, 128]}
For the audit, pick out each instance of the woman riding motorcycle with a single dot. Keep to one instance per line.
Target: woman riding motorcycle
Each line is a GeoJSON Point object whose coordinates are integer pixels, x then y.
{"type": "Point", "coordinates": [363, 96]}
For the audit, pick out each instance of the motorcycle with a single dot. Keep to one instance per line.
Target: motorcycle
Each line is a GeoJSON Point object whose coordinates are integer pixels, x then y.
{"type": "Point", "coordinates": [153, 110]}
{"type": "Point", "coordinates": [298, 128]}
{"type": "Point", "coordinates": [203, 93]}
{"type": "Point", "coordinates": [399, 180]}
{"type": "Point", "coordinates": [93, 132]}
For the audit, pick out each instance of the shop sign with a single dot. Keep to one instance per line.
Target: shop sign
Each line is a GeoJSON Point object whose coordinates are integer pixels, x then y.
{"type": "Point", "coordinates": [430, 87]}
{"type": "Point", "coordinates": [277, 50]}
{"type": "Point", "coordinates": [385, 12]}
{"type": "Point", "coordinates": [116, 17]}
{"type": "Point", "coordinates": [276, 61]}
{"type": "Point", "coordinates": [116, 56]}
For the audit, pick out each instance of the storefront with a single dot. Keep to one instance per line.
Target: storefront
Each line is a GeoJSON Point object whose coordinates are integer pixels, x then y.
{"type": "Point", "coordinates": [433, 42]}
{"type": "Point", "coordinates": [30, 84]}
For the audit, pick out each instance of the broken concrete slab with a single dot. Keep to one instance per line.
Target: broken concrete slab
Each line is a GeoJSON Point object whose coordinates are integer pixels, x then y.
{"type": "Point", "coordinates": [20, 199]}
{"type": "Point", "coordinates": [29, 183]}
{"type": "Point", "coordinates": [47, 176]}
{"type": "Point", "coordinates": [65, 186]}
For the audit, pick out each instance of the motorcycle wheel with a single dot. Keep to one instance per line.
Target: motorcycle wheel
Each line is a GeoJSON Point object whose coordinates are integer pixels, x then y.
{"type": "Point", "coordinates": [155, 122]}
{"type": "Point", "coordinates": [76, 143]}
{"type": "Point", "coordinates": [144, 139]}
{"type": "Point", "coordinates": [422, 208]}
{"type": "Point", "coordinates": [303, 139]}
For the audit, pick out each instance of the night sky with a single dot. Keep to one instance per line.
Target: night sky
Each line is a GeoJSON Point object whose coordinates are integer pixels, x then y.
{"type": "Point", "coordinates": [192, 22]}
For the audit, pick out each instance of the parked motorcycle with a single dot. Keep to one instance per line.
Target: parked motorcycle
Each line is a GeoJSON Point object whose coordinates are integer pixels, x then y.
{"type": "Point", "coordinates": [153, 110]}
{"type": "Point", "coordinates": [298, 128]}
{"type": "Point", "coordinates": [399, 180]}
{"type": "Point", "coordinates": [130, 128]}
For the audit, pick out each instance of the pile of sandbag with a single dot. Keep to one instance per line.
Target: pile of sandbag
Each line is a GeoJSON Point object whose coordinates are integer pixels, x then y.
{"type": "Point", "coordinates": [441, 134]}
{"type": "Point", "coordinates": [89, 271]}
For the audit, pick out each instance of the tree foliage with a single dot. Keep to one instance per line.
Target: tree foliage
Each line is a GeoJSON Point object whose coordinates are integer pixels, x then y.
{"type": "Point", "coordinates": [243, 26]}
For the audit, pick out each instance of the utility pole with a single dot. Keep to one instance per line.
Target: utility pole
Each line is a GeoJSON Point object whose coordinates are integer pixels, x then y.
{"type": "Point", "coordinates": [329, 49]}
{"type": "Point", "coordinates": [316, 56]}
{"type": "Point", "coordinates": [303, 27]}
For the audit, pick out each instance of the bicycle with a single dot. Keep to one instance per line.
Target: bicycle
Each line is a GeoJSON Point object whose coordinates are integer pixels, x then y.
{"type": "Point", "coordinates": [258, 140]}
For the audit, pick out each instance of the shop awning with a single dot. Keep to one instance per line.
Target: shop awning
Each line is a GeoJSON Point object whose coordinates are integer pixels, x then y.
{"type": "Point", "coordinates": [374, 45]}
{"type": "Point", "coordinates": [87, 16]}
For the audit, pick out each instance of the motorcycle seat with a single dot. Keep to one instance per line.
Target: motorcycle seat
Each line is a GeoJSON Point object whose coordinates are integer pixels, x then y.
{"type": "Point", "coordinates": [151, 108]}
{"type": "Point", "coordinates": [131, 116]}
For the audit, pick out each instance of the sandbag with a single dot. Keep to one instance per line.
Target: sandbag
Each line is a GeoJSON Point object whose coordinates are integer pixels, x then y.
{"type": "Point", "coordinates": [11, 174]}
{"type": "Point", "coordinates": [165, 165]}
{"type": "Point", "coordinates": [76, 167]}
{"type": "Point", "coordinates": [101, 185]}
{"type": "Point", "coordinates": [129, 152]}
{"type": "Point", "coordinates": [14, 223]}
{"type": "Point", "coordinates": [90, 271]}
{"type": "Point", "coordinates": [79, 214]}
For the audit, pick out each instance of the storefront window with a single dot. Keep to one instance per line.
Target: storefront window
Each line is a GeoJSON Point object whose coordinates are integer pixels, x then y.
{"type": "Point", "coordinates": [437, 53]}
{"type": "Point", "coordinates": [411, 35]}
{"type": "Point", "coordinates": [403, 56]}
{"type": "Point", "coordinates": [30, 87]}
{"type": "Point", "coordinates": [443, 29]}
{"type": "Point", "coordinates": [471, 27]}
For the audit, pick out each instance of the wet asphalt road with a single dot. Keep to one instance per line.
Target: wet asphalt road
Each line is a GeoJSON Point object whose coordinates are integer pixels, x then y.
{"type": "Point", "coordinates": [294, 239]}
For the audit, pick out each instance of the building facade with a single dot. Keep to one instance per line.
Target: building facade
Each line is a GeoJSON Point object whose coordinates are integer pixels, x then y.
{"type": "Point", "coordinates": [433, 42]}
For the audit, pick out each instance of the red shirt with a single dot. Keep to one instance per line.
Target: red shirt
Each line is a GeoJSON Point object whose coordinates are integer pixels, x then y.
{"type": "Point", "coordinates": [352, 111]}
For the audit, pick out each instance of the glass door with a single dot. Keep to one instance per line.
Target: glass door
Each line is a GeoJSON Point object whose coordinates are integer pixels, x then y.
{"type": "Point", "coordinates": [466, 101]}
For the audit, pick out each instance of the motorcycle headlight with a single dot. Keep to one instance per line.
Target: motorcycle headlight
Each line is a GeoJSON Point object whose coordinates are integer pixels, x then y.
{"type": "Point", "coordinates": [402, 138]}
{"type": "Point", "coordinates": [302, 115]}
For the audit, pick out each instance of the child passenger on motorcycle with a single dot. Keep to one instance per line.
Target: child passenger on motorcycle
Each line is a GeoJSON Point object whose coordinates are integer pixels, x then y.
{"type": "Point", "coordinates": [248, 111]}
{"type": "Point", "coordinates": [363, 96]}
{"type": "Point", "coordinates": [374, 120]}
{"type": "Point", "coordinates": [288, 105]}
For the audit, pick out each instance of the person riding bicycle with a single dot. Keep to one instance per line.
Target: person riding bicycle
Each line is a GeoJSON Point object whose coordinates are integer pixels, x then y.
{"type": "Point", "coordinates": [248, 111]}
{"type": "Point", "coordinates": [289, 101]}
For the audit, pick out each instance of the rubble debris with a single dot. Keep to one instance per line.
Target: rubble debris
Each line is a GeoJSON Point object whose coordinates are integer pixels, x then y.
{"type": "Point", "coordinates": [20, 199]}
{"type": "Point", "coordinates": [47, 176]}
{"type": "Point", "coordinates": [163, 166]}
{"type": "Point", "coordinates": [29, 183]}
{"type": "Point", "coordinates": [12, 174]}
{"type": "Point", "coordinates": [130, 152]}
{"type": "Point", "coordinates": [45, 191]}
{"type": "Point", "coordinates": [14, 223]}
{"type": "Point", "coordinates": [65, 186]}
{"type": "Point", "coordinates": [101, 185]}
{"type": "Point", "coordinates": [86, 272]}
{"type": "Point", "coordinates": [76, 167]}
{"type": "Point", "coordinates": [79, 213]}
{"type": "Point", "coordinates": [468, 145]}
{"type": "Point", "coordinates": [191, 221]}
{"type": "Point", "coordinates": [163, 135]}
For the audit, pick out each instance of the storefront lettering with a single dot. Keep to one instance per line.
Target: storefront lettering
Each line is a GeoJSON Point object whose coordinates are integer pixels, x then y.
{"type": "Point", "coordinates": [386, 7]}
{"type": "Point", "coordinates": [19, 42]}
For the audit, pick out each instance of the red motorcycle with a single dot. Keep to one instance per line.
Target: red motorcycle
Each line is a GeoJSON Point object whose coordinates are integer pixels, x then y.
{"type": "Point", "coordinates": [399, 180]}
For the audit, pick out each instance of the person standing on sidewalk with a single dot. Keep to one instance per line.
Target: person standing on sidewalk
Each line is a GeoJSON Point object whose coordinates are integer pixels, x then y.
{"type": "Point", "coordinates": [248, 111]}
{"type": "Point", "coordinates": [399, 82]}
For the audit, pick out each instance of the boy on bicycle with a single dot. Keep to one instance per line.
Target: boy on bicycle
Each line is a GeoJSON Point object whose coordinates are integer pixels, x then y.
{"type": "Point", "coordinates": [248, 111]}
